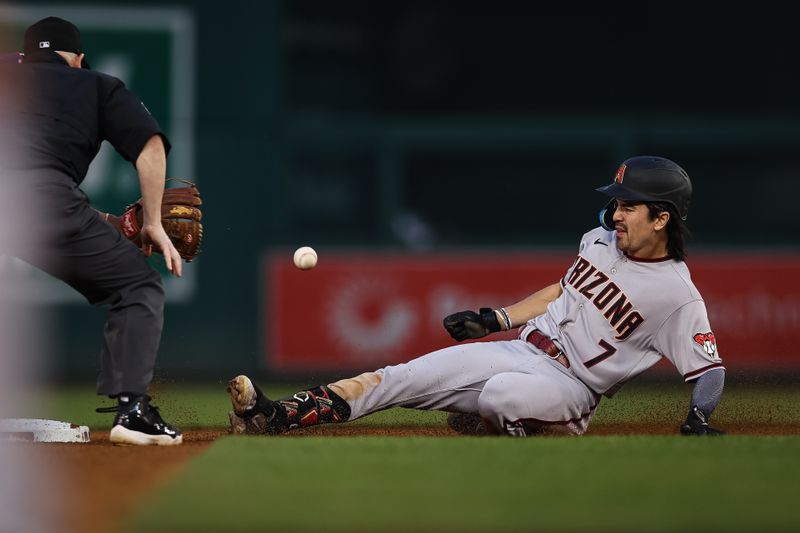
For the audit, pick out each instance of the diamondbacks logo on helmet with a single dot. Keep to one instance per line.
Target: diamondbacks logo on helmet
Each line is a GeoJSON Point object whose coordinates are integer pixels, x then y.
{"type": "Point", "coordinates": [708, 342]}
{"type": "Point", "coordinates": [620, 174]}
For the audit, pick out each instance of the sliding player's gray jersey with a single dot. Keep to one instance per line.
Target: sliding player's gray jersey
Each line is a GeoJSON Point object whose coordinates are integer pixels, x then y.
{"type": "Point", "coordinates": [619, 315]}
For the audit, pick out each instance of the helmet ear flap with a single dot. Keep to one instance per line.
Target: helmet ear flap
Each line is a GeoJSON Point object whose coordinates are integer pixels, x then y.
{"type": "Point", "coordinates": [607, 215]}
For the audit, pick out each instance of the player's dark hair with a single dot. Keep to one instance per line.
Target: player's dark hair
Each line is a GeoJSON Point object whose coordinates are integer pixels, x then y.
{"type": "Point", "coordinates": [677, 231]}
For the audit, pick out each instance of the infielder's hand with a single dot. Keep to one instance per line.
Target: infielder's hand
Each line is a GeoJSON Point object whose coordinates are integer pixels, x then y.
{"type": "Point", "coordinates": [471, 325]}
{"type": "Point", "coordinates": [181, 219]}
{"type": "Point", "coordinates": [697, 424]}
{"type": "Point", "coordinates": [154, 236]}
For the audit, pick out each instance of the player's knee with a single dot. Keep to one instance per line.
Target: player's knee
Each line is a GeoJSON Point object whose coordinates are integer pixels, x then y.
{"type": "Point", "coordinates": [513, 405]}
{"type": "Point", "coordinates": [157, 295]}
{"type": "Point", "coordinates": [145, 289]}
{"type": "Point", "coordinates": [499, 401]}
{"type": "Point", "coordinates": [154, 279]}
{"type": "Point", "coordinates": [153, 285]}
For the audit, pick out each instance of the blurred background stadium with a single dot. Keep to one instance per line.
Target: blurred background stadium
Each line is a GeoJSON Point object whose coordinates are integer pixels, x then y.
{"type": "Point", "coordinates": [441, 137]}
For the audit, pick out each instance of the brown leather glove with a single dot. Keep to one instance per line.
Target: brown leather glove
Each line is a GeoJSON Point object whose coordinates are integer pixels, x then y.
{"type": "Point", "coordinates": [180, 217]}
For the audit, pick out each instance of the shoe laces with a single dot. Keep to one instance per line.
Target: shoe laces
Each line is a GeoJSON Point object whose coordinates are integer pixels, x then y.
{"type": "Point", "coordinates": [115, 408]}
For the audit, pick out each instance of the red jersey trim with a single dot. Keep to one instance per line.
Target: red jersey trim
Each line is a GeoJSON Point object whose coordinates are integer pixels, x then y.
{"type": "Point", "coordinates": [696, 373]}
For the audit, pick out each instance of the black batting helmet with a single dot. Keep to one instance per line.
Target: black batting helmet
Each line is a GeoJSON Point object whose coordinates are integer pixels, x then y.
{"type": "Point", "coordinates": [648, 178]}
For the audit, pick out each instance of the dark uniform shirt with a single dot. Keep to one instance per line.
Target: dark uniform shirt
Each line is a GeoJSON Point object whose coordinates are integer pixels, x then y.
{"type": "Point", "coordinates": [65, 113]}
{"type": "Point", "coordinates": [53, 119]}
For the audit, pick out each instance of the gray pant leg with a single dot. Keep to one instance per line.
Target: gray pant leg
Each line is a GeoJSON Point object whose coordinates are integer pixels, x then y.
{"type": "Point", "coordinates": [544, 399]}
{"type": "Point", "coordinates": [107, 269]}
{"type": "Point", "coordinates": [450, 379]}
{"type": "Point", "coordinates": [132, 334]}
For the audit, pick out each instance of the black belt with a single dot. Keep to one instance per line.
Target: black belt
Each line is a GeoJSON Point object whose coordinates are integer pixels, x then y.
{"type": "Point", "coordinates": [544, 343]}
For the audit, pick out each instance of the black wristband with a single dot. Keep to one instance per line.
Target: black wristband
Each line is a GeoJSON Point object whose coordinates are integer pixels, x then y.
{"type": "Point", "coordinates": [489, 319]}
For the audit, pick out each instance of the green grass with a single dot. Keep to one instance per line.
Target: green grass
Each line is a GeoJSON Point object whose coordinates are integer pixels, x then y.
{"type": "Point", "coordinates": [191, 406]}
{"type": "Point", "coordinates": [741, 403]}
{"type": "Point", "coordinates": [612, 483]}
{"type": "Point", "coordinates": [481, 484]}
{"type": "Point", "coordinates": [185, 405]}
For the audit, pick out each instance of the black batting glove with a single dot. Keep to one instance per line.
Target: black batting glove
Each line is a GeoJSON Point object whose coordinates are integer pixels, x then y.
{"type": "Point", "coordinates": [697, 424]}
{"type": "Point", "coordinates": [471, 325]}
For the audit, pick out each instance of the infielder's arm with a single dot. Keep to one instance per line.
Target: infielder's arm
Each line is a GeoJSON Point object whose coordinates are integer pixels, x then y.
{"type": "Point", "coordinates": [151, 164]}
{"type": "Point", "coordinates": [531, 307]}
{"type": "Point", "coordinates": [152, 168]}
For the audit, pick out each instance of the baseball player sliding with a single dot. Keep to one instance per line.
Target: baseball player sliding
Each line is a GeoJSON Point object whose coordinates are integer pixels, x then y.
{"type": "Point", "coordinates": [625, 302]}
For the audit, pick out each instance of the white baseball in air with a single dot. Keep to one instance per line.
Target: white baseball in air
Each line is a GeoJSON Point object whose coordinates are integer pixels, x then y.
{"type": "Point", "coordinates": [305, 258]}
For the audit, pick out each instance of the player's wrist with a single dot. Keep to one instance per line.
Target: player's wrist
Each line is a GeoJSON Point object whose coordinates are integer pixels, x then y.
{"type": "Point", "coordinates": [499, 317]}
{"type": "Point", "coordinates": [489, 320]}
{"type": "Point", "coordinates": [504, 319]}
{"type": "Point", "coordinates": [151, 219]}
{"type": "Point", "coordinates": [151, 226]}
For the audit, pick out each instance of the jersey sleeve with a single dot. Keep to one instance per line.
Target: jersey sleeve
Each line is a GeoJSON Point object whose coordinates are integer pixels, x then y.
{"type": "Point", "coordinates": [597, 236]}
{"type": "Point", "coordinates": [124, 120]}
{"type": "Point", "coordinates": [587, 239]}
{"type": "Point", "coordinates": [687, 341]}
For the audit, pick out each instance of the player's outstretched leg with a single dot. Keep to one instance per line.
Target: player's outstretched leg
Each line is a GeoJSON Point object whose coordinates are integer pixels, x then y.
{"type": "Point", "coordinates": [253, 413]}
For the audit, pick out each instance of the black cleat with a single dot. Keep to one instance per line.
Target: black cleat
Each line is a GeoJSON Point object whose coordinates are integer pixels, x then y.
{"type": "Point", "coordinates": [139, 423]}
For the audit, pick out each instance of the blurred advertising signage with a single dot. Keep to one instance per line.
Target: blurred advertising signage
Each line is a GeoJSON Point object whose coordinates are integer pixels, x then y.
{"type": "Point", "coordinates": [359, 311]}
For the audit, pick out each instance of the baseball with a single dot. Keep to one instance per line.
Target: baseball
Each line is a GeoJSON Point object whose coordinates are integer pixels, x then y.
{"type": "Point", "coordinates": [305, 258]}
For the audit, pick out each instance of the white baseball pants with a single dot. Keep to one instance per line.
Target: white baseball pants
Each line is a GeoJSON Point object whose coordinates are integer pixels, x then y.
{"type": "Point", "coordinates": [512, 385]}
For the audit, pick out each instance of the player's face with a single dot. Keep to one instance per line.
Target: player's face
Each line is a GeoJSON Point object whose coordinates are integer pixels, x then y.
{"type": "Point", "coordinates": [637, 234]}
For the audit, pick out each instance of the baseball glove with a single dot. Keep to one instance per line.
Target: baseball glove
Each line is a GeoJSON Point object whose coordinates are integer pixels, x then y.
{"type": "Point", "coordinates": [180, 217]}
